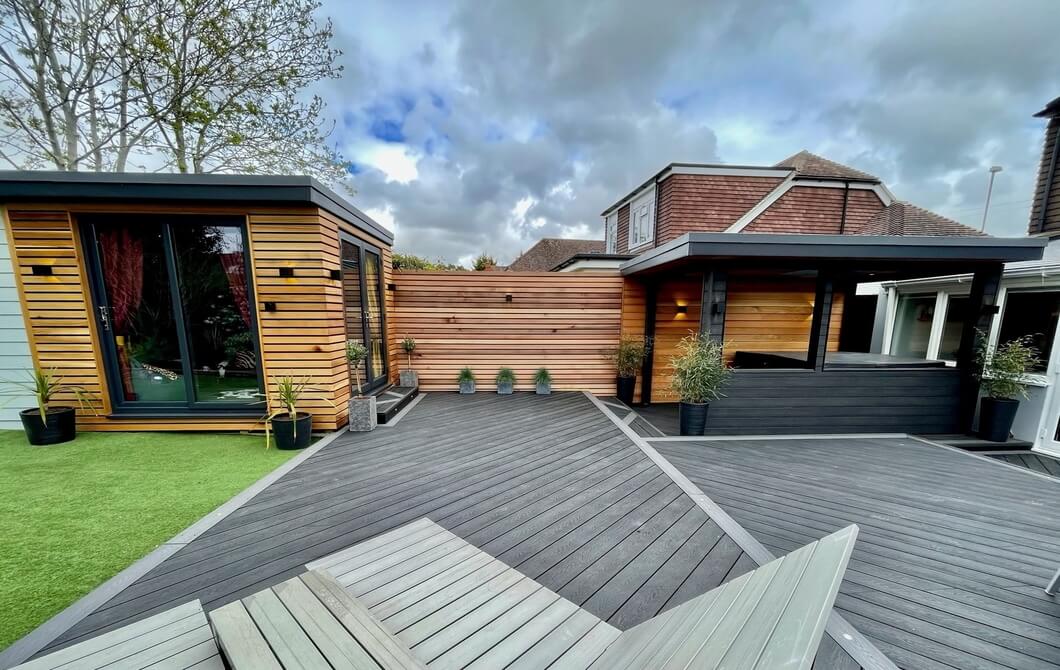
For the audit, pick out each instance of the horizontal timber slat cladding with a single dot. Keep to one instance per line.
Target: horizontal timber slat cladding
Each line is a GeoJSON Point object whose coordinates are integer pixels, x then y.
{"type": "Point", "coordinates": [304, 337]}
{"type": "Point", "coordinates": [562, 321]}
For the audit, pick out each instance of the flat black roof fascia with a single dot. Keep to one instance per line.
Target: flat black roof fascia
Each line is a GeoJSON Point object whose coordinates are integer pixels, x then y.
{"type": "Point", "coordinates": [154, 187]}
{"type": "Point", "coordinates": [877, 247]}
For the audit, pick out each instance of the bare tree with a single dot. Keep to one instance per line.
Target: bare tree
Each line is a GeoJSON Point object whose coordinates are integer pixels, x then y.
{"type": "Point", "coordinates": [186, 85]}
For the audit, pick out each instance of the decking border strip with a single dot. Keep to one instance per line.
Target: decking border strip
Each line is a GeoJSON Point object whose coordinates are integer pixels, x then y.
{"type": "Point", "coordinates": [40, 637]}
{"type": "Point", "coordinates": [995, 461]}
{"type": "Point", "coordinates": [860, 648]}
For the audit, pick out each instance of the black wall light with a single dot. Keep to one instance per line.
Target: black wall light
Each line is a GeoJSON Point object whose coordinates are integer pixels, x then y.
{"type": "Point", "coordinates": [682, 309]}
{"type": "Point", "coordinates": [507, 297]}
{"type": "Point", "coordinates": [286, 272]}
{"type": "Point", "coordinates": [335, 274]}
{"type": "Point", "coordinates": [41, 270]}
{"type": "Point", "coordinates": [270, 307]}
{"type": "Point", "coordinates": [391, 287]}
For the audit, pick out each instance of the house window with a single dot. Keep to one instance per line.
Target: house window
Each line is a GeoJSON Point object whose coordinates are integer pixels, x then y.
{"type": "Point", "coordinates": [912, 325]}
{"type": "Point", "coordinates": [642, 220]}
{"type": "Point", "coordinates": [611, 233]}
{"type": "Point", "coordinates": [1033, 314]}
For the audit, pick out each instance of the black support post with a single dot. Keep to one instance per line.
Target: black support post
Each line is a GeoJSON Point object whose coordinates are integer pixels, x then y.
{"type": "Point", "coordinates": [712, 312]}
{"type": "Point", "coordinates": [822, 315]}
{"type": "Point", "coordinates": [983, 304]}
{"type": "Point", "coordinates": [651, 300]}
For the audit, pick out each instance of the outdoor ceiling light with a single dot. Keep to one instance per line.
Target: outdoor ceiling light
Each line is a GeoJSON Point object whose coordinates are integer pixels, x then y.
{"type": "Point", "coordinates": [286, 272]}
{"type": "Point", "coordinates": [41, 270]}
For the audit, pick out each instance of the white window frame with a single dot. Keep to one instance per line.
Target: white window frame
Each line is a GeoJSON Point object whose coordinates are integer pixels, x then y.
{"type": "Point", "coordinates": [641, 230]}
{"type": "Point", "coordinates": [611, 233]}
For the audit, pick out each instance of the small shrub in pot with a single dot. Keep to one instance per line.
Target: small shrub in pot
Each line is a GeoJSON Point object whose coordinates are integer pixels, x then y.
{"type": "Point", "coordinates": [49, 423]}
{"type": "Point", "coordinates": [543, 381]}
{"type": "Point", "coordinates": [408, 377]}
{"type": "Point", "coordinates": [505, 381]}
{"type": "Point", "coordinates": [466, 380]}
{"type": "Point", "coordinates": [293, 428]}
{"type": "Point", "coordinates": [1002, 382]}
{"type": "Point", "coordinates": [628, 358]}
{"type": "Point", "coordinates": [699, 373]}
{"type": "Point", "coordinates": [363, 417]}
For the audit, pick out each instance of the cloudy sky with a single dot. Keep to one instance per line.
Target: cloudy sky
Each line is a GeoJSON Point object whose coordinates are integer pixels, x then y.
{"type": "Point", "coordinates": [484, 126]}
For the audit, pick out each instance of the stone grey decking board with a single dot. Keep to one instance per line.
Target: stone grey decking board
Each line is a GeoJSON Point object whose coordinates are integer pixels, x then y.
{"type": "Point", "coordinates": [953, 551]}
{"type": "Point", "coordinates": [546, 484]}
{"type": "Point", "coordinates": [1033, 461]}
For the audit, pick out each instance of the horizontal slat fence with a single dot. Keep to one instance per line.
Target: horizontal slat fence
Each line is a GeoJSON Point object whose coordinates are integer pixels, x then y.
{"type": "Point", "coordinates": [562, 321]}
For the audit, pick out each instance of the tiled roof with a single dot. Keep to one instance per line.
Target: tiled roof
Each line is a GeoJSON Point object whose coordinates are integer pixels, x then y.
{"type": "Point", "coordinates": [550, 252]}
{"type": "Point", "coordinates": [903, 218]}
{"type": "Point", "coordinates": [812, 165]}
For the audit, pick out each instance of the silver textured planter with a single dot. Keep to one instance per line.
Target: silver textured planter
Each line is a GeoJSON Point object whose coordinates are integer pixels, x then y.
{"type": "Point", "coordinates": [362, 414]}
{"type": "Point", "coordinates": [467, 388]}
{"type": "Point", "coordinates": [504, 388]}
{"type": "Point", "coordinates": [543, 388]}
{"type": "Point", "coordinates": [408, 378]}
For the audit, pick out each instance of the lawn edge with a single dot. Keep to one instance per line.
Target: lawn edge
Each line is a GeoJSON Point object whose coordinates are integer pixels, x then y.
{"type": "Point", "coordinates": [41, 636]}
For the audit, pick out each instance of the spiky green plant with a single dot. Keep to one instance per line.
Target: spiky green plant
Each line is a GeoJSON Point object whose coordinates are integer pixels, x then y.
{"type": "Point", "coordinates": [466, 375]}
{"type": "Point", "coordinates": [700, 370]}
{"type": "Point", "coordinates": [628, 356]}
{"type": "Point", "coordinates": [542, 376]}
{"type": "Point", "coordinates": [288, 394]}
{"type": "Point", "coordinates": [44, 385]}
{"type": "Point", "coordinates": [1004, 367]}
{"type": "Point", "coordinates": [505, 376]}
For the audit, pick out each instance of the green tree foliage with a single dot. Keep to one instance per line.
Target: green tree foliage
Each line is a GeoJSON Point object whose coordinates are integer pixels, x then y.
{"type": "Point", "coordinates": [484, 262]}
{"type": "Point", "coordinates": [412, 262]}
{"type": "Point", "coordinates": [184, 85]}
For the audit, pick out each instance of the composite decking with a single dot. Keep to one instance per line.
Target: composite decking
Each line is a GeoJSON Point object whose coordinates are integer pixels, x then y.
{"type": "Point", "coordinates": [954, 548]}
{"type": "Point", "coordinates": [550, 485]}
{"type": "Point", "coordinates": [1032, 460]}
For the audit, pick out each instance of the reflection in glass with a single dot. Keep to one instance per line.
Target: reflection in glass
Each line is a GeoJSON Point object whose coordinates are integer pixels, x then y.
{"type": "Point", "coordinates": [213, 289]}
{"type": "Point", "coordinates": [140, 316]}
{"type": "Point", "coordinates": [912, 325]}
{"type": "Point", "coordinates": [374, 313]}
{"type": "Point", "coordinates": [956, 312]}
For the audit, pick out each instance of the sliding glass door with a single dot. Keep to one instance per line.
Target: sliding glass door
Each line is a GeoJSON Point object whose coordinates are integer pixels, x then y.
{"type": "Point", "coordinates": [362, 291]}
{"type": "Point", "coordinates": [174, 311]}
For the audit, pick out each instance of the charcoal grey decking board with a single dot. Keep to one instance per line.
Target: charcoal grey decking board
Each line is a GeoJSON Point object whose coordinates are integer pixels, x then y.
{"type": "Point", "coordinates": [953, 550]}
{"type": "Point", "coordinates": [1033, 461]}
{"type": "Point", "coordinates": [547, 484]}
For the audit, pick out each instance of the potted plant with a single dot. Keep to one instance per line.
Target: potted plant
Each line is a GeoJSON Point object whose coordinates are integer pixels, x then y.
{"type": "Point", "coordinates": [1002, 381]}
{"type": "Point", "coordinates": [362, 408]}
{"type": "Point", "coordinates": [293, 428]}
{"type": "Point", "coordinates": [48, 423]}
{"type": "Point", "coordinates": [699, 374]}
{"type": "Point", "coordinates": [543, 381]}
{"type": "Point", "coordinates": [628, 358]}
{"type": "Point", "coordinates": [408, 377]}
{"type": "Point", "coordinates": [466, 379]}
{"type": "Point", "coordinates": [505, 381]}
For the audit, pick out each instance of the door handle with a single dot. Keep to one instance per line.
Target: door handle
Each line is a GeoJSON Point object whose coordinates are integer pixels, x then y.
{"type": "Point", "coordinates": [104, 317]}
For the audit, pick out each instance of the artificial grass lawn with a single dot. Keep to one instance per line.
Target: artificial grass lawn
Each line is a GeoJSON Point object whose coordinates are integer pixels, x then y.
{"type": "Point", "coordinates": [73, 515]}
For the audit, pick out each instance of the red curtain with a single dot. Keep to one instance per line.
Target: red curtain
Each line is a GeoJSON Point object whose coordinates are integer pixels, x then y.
{"type": "Point", "coordinates": [123, 273]}
{"type": "Point", "coordinates": [235, 270]}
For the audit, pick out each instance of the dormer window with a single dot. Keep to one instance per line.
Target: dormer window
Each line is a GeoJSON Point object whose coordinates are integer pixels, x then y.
{"type": "Point", "coordinates": [642, 220]}
{"type": "Point", "coordinates": [611, 233]}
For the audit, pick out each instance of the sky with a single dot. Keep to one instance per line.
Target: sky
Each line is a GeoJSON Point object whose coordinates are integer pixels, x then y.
{"type": "Point", "coordinates": [484, 126]}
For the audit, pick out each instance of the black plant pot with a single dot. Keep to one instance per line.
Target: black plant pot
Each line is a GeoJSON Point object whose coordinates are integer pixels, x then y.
{"type": "Point", "coordinates": [995, 418]}
{"type": "Point", "coordinates": [626, 386]}
{"type": "Point", "coordinates": [292, 434]}
{"type": "Point", "coordinates": [61, 425]}
{"type": "Point", "coordinates": [693, 417]}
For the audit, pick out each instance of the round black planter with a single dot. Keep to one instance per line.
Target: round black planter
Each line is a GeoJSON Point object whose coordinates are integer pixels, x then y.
{"type": "Point", "coordinates": [60, 427]}
{"type": "Point", "coordinates": [626, 386]}
{"type": "Point", "coordinates": [995, 418]}
{"type": "Point", "coordinates": [693, 417]}
{"type": "Point", "coordinates": [292, 434]}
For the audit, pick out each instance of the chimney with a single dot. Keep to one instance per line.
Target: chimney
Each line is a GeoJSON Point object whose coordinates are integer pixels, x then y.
{"type": "Point", "coordinates": [1045, 212]}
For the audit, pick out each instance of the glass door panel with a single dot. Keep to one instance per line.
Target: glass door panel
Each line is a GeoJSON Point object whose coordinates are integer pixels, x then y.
{"type": "Point", "coordinates": [137, 317]}
{"type": "Point", "coordinates": [212, 276]}
{"type": "Point", "coordinates": [373, 285]}
{"type": "Point", "coordinates": [353, 304]}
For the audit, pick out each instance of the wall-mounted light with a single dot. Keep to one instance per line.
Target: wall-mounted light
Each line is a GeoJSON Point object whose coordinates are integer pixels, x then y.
{"type": "Point", "coordinates": [270, 307]}
{"type": "Point", "coordinates": [507, 297]}
{"type": "Point", "coordinates": [682, 309]}
{"type": "Point", "coordinates": [41, 270]}
{"type": "Point", "coordinates": [286, 272]}
{"type": "Point", "coordinates": [391, 287]}
{"type": "Point", "coordinates": [335, 274]}
{"type": "Point", "coordinates": [717, 309]}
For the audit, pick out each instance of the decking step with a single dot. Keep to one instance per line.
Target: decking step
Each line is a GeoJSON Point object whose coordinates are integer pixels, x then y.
{"type": "Point", "coordinates": [176, 639]}
{"type": "Point", "coordinates": [391, 400]}
{"type": "Point", "coordinates": [307, 621]}
{"type": "Point", "coordinates": [974, 443]}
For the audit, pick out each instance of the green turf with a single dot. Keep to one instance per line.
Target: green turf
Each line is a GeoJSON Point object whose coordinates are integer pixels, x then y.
{"type": "Point", "coordinates": [73, 515]}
